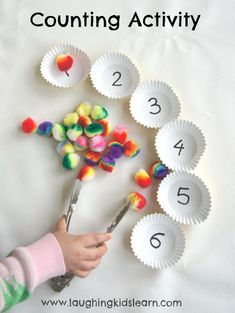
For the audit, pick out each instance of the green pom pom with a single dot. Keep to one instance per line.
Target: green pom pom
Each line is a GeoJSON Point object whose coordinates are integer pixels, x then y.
{"type": "Point", "coordinates": [70, 161]}
{"type": "Point", "coordinates": [59, 132]}
{"type": "Point", "coordinates": [74, 132]}
{"type": "Point", "coordinates": [93, 129]}
{"type": "Point", "coordinates": [98, 113]}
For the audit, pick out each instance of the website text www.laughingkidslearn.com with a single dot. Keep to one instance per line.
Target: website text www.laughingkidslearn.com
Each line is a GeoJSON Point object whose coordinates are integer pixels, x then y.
{"type": "Point", "coordinates": [112, 303]}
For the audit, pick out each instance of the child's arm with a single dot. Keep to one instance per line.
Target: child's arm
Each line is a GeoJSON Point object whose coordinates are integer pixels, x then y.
{"type": "Point", "coordinates": [52, 255]}
{"type": "Point", "coordinates": [28, 267]}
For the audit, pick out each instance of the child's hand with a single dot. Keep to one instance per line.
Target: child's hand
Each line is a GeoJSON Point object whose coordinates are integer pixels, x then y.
{"type": "Point", "coordinates": [81, 254]}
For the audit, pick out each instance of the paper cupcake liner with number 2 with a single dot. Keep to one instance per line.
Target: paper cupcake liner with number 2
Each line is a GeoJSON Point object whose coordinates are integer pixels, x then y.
{"type": "Point", "coordinates": [114, 75]}
{"type": "Point", "coordinates": [184, 197]}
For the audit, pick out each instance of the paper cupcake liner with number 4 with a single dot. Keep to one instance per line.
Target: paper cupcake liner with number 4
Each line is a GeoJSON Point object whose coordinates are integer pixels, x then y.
{"type": "Point", "coordinates": [184, 197]}
{"type": "Point", "coordinates": [154, 103]}
{"type": "Point", "coordinates": [157, 241]}
{"type": "Point", "coordinates": [180, 144]}
{"type": "Point", "coordinates": [114, 75]}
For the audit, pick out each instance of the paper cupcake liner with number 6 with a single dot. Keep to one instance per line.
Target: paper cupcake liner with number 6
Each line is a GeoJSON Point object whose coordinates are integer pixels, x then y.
{"type": "Point", "coordinates": [180, 144]}
{"type": "Point", "coordinates": [157, 241]}
{"type": "Point", "coordinates": [184, 197]}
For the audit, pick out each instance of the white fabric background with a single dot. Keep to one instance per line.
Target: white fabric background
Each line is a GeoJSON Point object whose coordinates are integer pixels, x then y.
{"type": "Point", "coordinates": [34, 188]}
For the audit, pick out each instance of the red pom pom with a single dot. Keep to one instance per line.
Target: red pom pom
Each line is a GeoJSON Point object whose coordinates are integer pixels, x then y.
{"type": "Point", "coordinates": [142, 178]}
{"type": "Point", "coordinates": [64, 62]}
{"type": "Point", "coordinates": [120, 134]}
{"type": "Point", "coordinates": [29, 125]}
{"type": "Point", "coordinates": [137, 200]}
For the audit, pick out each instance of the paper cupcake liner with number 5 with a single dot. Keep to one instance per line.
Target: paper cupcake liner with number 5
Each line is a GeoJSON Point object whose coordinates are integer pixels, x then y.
{"type": "Point", "coordinates": [180, 144]}
{"type": "Point", "coordinates": [114, 75]}
{"type": "Point", "coordinates": [184, 197]}
{"type": "Point", "coordinates": [157, 241]}
{"type": "Point", "coordinates": [153, 104]}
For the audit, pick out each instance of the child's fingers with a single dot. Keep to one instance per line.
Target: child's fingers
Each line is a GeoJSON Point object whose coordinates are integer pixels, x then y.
{"type": "Point", "coordinates": [91, 254]}
{"type": "Point", "coordinates": [61, 225]}
{"type": "Point", "coordinates": [88, 265]}
{"type": "Point", "coordinates": [80, 273]}
{"type": "Point", "coordinates": [93, 240]}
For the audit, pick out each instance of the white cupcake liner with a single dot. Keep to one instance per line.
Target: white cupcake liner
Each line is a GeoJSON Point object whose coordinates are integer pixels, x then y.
{"type": "Point", "coordinates": [172, 136]}
{"type": "Point", "coordinates": [78, 72]}
{"type": "Point", "coordinates": [184, 197]}
{"type": "Point", "coordinates": [153, 104]}
{"type": "Point", "coordinates": [114, 75]}
{"type": "Point", "coordinates": [167, 241]}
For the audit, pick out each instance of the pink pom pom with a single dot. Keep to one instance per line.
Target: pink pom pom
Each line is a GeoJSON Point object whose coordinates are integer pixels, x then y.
{"type": "Point", "coordinates": [97, 143]}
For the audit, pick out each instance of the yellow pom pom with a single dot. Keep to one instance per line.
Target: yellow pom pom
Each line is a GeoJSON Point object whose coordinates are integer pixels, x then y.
{"type": "Point", "coordinates": [84, 109]}
{"type": "Point", "coordinates": [70, 119]}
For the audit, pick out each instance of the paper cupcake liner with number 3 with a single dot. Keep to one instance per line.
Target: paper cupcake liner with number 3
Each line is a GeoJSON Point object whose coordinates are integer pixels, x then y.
{"type": "Point", "coordinates": [184, 197]}
{"type": "Point", "coordinates": [157, 241]}
{"type": "Point", "coordinates": [154, 103]}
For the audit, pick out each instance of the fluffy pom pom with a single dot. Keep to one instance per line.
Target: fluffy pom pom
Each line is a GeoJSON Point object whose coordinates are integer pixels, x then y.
{"type": "Point", "coordinates": [115, 150]}
{"type": "Point", "coordinates": [59, 132]}
{"type": "Point", "coordinates": [92, 158]}
{"type": "Point", "coordinates": [98, 113]}
{"type": "Point", "coordinates": [29, 126]}
{"type": "Point", "coordinates": [86, 173]}
{"type": "Point", "coordinates": [107, 163]}
{"type": "Point", "coordinates": [70, 161]}
{"type": "Point", "coordinates": [64, 147]}
{"type": "Point", "coordinates": [70, 119]}
{"type": "Point", "coordinates": [137, 200]}
{"type": "Point", "coordinates": [84, 109]}
{"type": "Point", "coordinates": [84, 121]}
{"type": "Point", "coordinates": [45, 129]}
{"type": "Point", "coordinates": [131, 149]}
{"type": "Point", "coordinates": [120, 134]}
{"type": "Point", "coordinates": [158, 170]}
{"type": "Point", "coordinates": [81, 143]}
{"type": "Point", "coordinates": [142, 178]}
{"type": "Point", "coordinates": [107, 127]}
{"type": "Point", "coordinates": [93, 130]}
{"type": "Point", "coordinates": [97, 143]}
{"type": "Point", "coordinates": [64, 62]}
{"type": "Point", "coordinates": [74, 131]}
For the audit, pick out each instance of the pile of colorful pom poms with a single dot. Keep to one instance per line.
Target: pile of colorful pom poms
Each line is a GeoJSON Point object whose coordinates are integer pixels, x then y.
{"type": "Point", "coordinates": [84, 132]}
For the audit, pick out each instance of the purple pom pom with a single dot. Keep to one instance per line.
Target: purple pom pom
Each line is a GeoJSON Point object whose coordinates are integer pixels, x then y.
{"type": "Point", "coordinates": [115, 150]}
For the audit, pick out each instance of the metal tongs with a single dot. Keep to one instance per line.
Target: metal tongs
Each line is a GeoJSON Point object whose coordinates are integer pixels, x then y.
{"type": "Point", "coordinates": [60, 282]}
{"type": "Point", "coordinates": [73, 201]}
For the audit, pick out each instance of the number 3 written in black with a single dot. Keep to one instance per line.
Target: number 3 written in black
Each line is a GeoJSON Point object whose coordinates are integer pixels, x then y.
{"type": "Point", "coordinates": [154, 105]}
